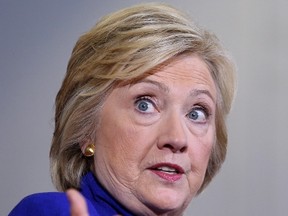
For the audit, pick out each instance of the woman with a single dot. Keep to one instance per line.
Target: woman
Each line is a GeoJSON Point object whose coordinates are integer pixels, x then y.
{"type": "Point", "coordinates": [140, 117]}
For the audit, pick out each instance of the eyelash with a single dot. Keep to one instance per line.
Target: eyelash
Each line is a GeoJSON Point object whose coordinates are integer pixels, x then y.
{"type": "Point", "coordinates": [146, 98]}
{"type": "Point", "coordinates": [200, 106]}
{"type": "Point", "coordinates": [143, 97]}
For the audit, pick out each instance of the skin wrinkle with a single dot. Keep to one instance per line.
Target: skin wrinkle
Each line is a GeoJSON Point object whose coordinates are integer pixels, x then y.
{"type": "Point", "coordinates": [110, 171]}
{"type": "Point", "coordinates": [193, 93]}
{"type": "Point", "coordinates": [124, 152]}
{"type": "Point", "coordinates": [115, 180]}
{"type": "Point", "coordinates": [142, 127]}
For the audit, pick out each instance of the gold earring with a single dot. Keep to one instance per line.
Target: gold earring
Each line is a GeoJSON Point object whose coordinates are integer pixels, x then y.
{"type": "Point", "coordinates": [89, 150]}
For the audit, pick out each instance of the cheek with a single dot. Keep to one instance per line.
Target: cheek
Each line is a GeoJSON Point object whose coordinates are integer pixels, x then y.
{"type": "Point", "coordinates": [120, 141]}
{"type": "Point", "coordinates": [199, 158]}
{"type": "Point", "coordinates": [200, 152]}
{"type": "Point", "coordinates": [208, 142]}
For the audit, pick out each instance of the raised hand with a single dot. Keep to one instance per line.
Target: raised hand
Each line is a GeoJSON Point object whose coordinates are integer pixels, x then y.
{"type": "Point", "coordinates": [77, 203]}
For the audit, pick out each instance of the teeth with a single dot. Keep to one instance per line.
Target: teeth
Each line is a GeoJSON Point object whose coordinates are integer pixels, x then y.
{"type": "Point", "coordinates": [167, 169]}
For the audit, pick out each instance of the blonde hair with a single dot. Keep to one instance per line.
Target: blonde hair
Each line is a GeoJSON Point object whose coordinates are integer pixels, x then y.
{"type": "Point", "coordinates": [121, 47]}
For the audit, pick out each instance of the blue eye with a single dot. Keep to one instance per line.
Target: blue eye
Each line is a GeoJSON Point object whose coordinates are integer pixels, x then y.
{"type": "Point", "coordinates": [144, 105]}
{"type": "Point", "coordinates": [198, 115]}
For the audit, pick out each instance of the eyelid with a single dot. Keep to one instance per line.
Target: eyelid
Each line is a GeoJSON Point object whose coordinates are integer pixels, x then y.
{"type": "Point", "coordinates": [204, 108]}
{"type": "Point", "coordinates": [146, 98]}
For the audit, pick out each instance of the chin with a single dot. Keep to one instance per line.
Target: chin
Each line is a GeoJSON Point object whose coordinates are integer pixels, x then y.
{"type": "Point", "coordinates": [169, 201]}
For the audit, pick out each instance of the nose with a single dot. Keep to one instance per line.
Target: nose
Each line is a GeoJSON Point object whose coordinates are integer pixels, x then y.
{"type": "Point", "coordinates": [173, 134]}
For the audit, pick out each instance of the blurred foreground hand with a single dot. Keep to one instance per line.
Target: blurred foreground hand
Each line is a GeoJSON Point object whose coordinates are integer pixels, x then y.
{"type": "Point", "coordinates": [77, 203]}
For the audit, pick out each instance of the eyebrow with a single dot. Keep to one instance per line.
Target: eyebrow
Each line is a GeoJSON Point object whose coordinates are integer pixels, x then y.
{"type": "Point", "coordinates": [197, 92]}
{"type": "Point", "coordinates": [193, 92]}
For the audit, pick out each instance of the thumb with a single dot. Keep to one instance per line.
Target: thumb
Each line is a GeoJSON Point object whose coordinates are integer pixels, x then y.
{"type": "Point", "coordinates": [78, 205]}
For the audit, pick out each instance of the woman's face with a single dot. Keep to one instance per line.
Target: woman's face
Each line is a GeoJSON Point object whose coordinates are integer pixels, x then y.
{"type": "Point", "coordinates": [155, 137]}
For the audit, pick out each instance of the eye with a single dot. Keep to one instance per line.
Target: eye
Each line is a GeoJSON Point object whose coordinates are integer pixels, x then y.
{"type": "Point", "coordinates": [198, 115]}
{"type": "Point", "coordinates": [144, 105]}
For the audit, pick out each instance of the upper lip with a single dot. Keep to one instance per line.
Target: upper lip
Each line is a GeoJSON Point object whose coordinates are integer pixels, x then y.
{"type": "Point", "coordinates": [176, 167]}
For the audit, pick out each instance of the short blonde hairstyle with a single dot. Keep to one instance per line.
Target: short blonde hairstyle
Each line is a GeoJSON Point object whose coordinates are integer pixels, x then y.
{"type": "Point", "coordinates": [124, 46]}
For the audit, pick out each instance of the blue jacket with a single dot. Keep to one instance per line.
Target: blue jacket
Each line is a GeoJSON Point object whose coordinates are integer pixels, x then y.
{"type": "Point", "coordinates": [99, 202]}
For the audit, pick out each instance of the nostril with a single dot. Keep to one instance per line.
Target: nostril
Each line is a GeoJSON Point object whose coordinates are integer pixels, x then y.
{"type": "Point", "coordinates": [183, 149]}
{"type": "Point", "coordinates": [168, 146]}
{"type": "Point", "coordinates": [174, 148]}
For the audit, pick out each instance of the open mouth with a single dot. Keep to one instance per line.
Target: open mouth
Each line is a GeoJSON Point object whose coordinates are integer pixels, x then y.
{"type": "Point", "coordinates": [167, 171]}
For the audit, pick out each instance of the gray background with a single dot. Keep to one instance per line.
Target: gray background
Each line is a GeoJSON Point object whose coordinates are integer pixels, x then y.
{"type": "Point", "coordinates": [36, 40]}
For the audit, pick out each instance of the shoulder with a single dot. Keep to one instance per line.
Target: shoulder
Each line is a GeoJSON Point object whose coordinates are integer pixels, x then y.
{"type": "Point", "coordinates": [47, 204]}
{"type": "Point", "coordinates": [50, 203]}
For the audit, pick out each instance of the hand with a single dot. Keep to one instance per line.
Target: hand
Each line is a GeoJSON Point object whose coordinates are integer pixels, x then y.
{"type": "Point", "coordinates": [78, 205]}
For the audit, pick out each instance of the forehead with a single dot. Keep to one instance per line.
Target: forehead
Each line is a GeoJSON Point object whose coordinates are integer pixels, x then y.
{"type": "Point", "coordinates": [184, 71]}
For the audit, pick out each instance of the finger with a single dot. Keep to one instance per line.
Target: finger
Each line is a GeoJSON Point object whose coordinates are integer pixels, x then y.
{"type": "Point", "coordinates": [78, 205]}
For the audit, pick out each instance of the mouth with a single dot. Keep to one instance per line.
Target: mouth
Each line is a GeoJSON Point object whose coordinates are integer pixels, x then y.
{"type": "Point", "coordinates": [167, 171]}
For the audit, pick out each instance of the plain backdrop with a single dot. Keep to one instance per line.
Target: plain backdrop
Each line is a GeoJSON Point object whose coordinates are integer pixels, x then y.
{"type": "Point", "coordinates": [36, 39]}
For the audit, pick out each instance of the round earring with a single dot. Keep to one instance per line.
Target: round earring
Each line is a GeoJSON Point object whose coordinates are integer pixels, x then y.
{"type": "Point", "coordinates": [89, 150]}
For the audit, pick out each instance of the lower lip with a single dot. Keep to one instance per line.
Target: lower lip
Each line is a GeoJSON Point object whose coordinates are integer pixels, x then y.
{"type": "Point", "coordinates": [167, 176]}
